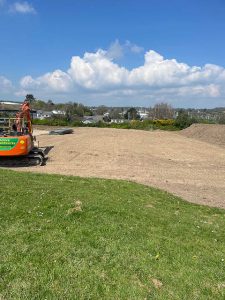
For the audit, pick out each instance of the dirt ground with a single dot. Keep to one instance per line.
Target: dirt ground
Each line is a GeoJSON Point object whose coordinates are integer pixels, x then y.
{"type": "Point", "coordinates": [184, 166]}
{"type": "Point", "coordinates": [214, 134]}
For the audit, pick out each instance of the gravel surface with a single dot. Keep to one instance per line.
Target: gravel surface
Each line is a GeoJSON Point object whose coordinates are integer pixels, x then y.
{"type": "Point", "coordinates": [186, 167]}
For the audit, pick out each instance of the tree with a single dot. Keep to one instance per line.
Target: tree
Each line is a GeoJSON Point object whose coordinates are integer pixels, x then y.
{"type": "Point", "coordinates": [132, 114]}
{"type": "Point", "coordinates": [30, 98]}
{"type": "Point", "coordinates": [50, 105]}
{"type": "Point", "coordinates": [183, 120]}
{"type": "Point", "coordinates": [106, 118]}
{"type": "Point", "coordinates": [79, 110]}
{"type": "Point", "coordinates": [116, 113]}
{"type": "Point", "coordinates": [222, 119]}
{"type": "Point", "coordinates": [39, 104]}
{"type": "Point", "coordinates": [163, 111]}
{"type": "Point", "coordinates": [74, 110]}
{"type": "Point", "coordinates": [101, 110]}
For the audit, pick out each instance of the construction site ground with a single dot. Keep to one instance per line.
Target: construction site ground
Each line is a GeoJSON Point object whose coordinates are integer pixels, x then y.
{"type": "Point", "coordinates": [188, 163]}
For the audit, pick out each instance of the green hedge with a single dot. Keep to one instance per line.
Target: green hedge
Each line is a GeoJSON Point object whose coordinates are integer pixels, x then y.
{"type": "Point", "coordinates": [51, 122]}
{"type": "Point", "coordinates": [135, 124]}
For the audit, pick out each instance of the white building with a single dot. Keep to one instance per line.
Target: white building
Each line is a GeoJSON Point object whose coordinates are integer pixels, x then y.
{"type": "Point", "coordinates": [59, 112]}
{"type": "Point", "coordinates": [41, 115]}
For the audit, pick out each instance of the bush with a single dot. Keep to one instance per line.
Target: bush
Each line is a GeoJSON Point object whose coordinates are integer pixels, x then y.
{"type": "Point", "coordinates": [50, 122]}
{"type": "Point", "coordinates": [222, 119]}
{"type": "Point", "coordinates": [183, 120]}
{"type": "Point", "coordinates": [76, 124]}
{"type": "Point", "coordinates": [134, 124]}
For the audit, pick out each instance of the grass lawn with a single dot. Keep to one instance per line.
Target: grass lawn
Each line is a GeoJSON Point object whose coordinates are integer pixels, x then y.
{"type": "Point", "coordinates": [73, 238]}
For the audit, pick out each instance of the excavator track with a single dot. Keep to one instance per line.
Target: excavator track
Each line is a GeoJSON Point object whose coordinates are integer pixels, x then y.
{"type": "Point", "coordinates": [35, 158]}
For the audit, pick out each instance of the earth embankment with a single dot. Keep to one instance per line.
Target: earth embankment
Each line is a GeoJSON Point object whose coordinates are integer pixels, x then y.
{"type": "Point", "coordinates": [210, 133]}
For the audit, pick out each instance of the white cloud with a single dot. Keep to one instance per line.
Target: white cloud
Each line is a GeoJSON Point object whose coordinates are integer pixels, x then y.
{"type": "Point", "coordinates": [5, 85]}
{"type": "Point", "coordinates": [22, 8]}
{"type": "Point", "coordinates": [117, 50]}
{"type": "Point", "coordinates": [96, 71]}
{"type": "Point", "coordinates": [208, 90]}
{"type": "Point", "coordinates": [57, 81]}
{"type": "Point", "coordinates": [97, 75]}
{"type": "Point", "coordinates": [21, 93]}
{"type": "Point", "coordinates": [133, 47]}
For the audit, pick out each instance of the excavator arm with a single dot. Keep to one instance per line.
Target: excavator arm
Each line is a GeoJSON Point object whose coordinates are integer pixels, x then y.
{"type": "Point", "coordinates": [24, 116]}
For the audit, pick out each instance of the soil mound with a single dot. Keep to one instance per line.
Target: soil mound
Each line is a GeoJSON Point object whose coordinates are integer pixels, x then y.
{"type": "Point", "coordinates": [210, 133]}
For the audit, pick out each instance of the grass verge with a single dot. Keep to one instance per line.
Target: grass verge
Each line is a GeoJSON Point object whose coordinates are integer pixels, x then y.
{"type": "Point", "coordinates": [73, 238]}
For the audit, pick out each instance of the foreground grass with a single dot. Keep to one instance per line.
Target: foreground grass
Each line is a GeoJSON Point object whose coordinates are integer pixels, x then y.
{"type": "Point", "coordinates": [128, 241]}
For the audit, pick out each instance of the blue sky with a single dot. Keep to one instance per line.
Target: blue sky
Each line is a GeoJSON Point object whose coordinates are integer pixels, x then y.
{"type": "Point", "coordinates": [114, 52]}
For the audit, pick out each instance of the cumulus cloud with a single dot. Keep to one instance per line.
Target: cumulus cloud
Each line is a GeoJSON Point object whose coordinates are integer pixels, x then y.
{"type": "Point", "coordinates": [117, 50]}
{"type": "Point", "coordinates": [98, 74]}
{"type": "Point", "coordinates": [96, 71]}
{"type": "Point", "coordinates": [133, 47]}
{"type": "Point", "coordinates": [57, 81]}
{"type": "Point", "coordinates": [5, 85]}
{"type": "Point", "coordinates": [22, 8]}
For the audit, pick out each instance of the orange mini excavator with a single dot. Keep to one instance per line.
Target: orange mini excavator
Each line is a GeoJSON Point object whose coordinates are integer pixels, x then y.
{"type": "Point", "coordinates": [17, 141]}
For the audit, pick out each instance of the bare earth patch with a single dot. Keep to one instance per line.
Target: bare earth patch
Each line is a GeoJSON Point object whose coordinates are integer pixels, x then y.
{"type": "Point", "coordinates": [192, 169]}
{"type": "Point", "coordinates": [38, 132]}
{"type": "Point", "coordinates": [213, 134]}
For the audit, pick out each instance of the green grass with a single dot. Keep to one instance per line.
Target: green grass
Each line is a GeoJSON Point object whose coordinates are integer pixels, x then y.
{"type": "Point", "coordinates": [125, 236]}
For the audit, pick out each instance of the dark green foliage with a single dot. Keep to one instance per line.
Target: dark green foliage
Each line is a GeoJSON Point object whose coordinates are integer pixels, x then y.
{"type": "Point", "coordinates": [51, 122]}
{"type": "Point", "coordinates": [72, 109]}
{"type": "Point", "coordinates": [75, 109]}
{"type": "Point", "coordinates": [132, 114]}
{"type": "Point", "coordinates": [183, 120]}
{"type": "Point", "coordinates": [30, 98]}
{"type": "Point", "coordinates": [222, 119]}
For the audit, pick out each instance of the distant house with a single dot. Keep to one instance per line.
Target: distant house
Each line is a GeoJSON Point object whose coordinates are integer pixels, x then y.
{"type": "Point", "coordinates": [143, 113]}
{"type": "Point", "coordinates": [59, 112]}
{"type": "Point", "coordinates": [41, 115]}
{"type": "Point", "coordinates": [92, 119]}
{"type": "Point", "coordinates": [117, 121]}
{"type": "Point", "coordinates": [143, 116]}
{"type": "Point", "coordinates": [10, 105]}
{"type": "Point", "coordinates": [87, 122]}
